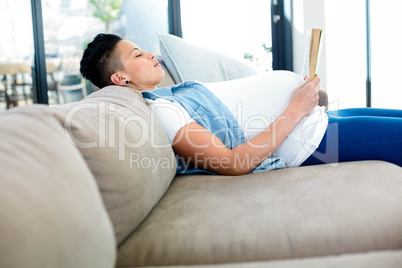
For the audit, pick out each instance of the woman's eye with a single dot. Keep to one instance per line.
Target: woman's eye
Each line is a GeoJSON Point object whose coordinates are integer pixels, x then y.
{"type": "Point", "coordinates": [139, 55]}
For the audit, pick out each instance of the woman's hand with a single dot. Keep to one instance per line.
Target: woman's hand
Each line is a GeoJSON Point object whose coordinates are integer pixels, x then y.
{"type": "Point", "coordinates": [305, 98]}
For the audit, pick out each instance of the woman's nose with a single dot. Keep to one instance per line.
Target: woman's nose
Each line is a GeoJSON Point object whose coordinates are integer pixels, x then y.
{"type": "Point", "coordinates": [152, 56]}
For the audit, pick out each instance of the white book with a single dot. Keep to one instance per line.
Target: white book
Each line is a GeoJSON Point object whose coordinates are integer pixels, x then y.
{"type": "Point", "coordinates": [312, 53]}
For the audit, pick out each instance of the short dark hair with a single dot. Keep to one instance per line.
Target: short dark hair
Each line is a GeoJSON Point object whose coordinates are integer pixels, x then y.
{"type": "Point", "coordinates": [100, 61]}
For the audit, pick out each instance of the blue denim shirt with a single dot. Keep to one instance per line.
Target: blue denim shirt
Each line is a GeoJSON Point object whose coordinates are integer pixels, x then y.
{"type": "Point", "coordinates": [208, 111]}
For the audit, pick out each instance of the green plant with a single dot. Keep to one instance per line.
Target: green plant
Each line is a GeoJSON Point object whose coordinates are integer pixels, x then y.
{"type": "Point", "coordinates": [107, 10]}
{"type": "Point", "coordinates": [267, 49]}
{"type": "Point", "coordinates": [248, 56]}
{"type": "Point", "coordinates": [251, 58]}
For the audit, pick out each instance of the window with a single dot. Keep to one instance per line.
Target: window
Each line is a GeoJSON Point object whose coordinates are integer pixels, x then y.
{"type": "Point", "coordinates": [137, 21]}
{"type": "Point", "coordinates": [64, 45]}
{"type": "Point", "coordinates": [347, 51]}
{"type": "Point", "coordinates": [238, 28]}
{"type": "Point", "coordinates": [386, 57]}
{"type": "Point", "coordinates": [68, 26]}
{"type": "Point", "coordinates": [16, 53]}
{"type": "Point", "coordinates": [345, 34]}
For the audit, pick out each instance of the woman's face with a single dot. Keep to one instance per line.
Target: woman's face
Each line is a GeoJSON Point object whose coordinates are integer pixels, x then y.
{"type": "Point", "coordinates": [141, 69]}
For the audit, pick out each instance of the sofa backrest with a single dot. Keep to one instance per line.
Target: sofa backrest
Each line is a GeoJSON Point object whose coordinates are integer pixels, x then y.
{"type": "Point", "coordinates": [126, 150]}
{"type": "Point", "coordinates": [51, 211]}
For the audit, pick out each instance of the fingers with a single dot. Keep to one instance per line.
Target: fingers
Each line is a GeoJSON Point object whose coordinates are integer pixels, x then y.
{"type": "Point", "coordinates": [316, 81]}
{"type": "Point", "coordinates": [312, 88]}
{"type": "Point", "coordinates": [302, 86]}
{"type": "Point", "coordinates": [313, 83]}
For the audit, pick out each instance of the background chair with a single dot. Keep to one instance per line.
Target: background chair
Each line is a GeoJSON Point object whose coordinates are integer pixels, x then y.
{"type": "Point", "coordinates": [72, 85]}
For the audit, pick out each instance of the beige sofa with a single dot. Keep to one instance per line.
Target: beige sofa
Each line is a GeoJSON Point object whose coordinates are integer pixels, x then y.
{"type": "Point", "coordinates": [92, 184]}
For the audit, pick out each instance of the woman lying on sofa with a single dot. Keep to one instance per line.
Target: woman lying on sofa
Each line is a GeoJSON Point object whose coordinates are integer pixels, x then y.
{"type": "Point", "coordinates": [248, 125]}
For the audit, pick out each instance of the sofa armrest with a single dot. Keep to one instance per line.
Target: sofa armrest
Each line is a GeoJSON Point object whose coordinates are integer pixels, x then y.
{"type": "Point", "coordinates": [323, 98]}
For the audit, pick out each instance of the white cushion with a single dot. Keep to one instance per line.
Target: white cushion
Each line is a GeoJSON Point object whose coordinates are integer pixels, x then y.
{"type": "Point", "coordinates": [186, 61]}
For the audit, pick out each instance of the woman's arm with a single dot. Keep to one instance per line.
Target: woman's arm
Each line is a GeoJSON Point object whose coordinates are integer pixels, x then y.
{"type": "Point", "coordinates": [205, 150]}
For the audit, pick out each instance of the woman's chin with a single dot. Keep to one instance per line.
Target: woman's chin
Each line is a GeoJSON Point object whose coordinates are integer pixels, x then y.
{"type": "Point", "coordinates": [161, 77]}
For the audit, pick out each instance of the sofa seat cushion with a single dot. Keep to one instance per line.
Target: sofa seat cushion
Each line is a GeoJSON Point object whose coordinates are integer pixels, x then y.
{"type": "Point", "coordinates": [51, 211]}
{"type": "Point", "coordinates": [383, 259]}
{"type": "Point", "coordinates": [292, 213]}
{"type": "Point", "coordinates": [126, 149]}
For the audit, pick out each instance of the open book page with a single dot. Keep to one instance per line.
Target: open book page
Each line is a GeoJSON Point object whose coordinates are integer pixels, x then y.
{"type": "Point", "coordinates": [312, 53]}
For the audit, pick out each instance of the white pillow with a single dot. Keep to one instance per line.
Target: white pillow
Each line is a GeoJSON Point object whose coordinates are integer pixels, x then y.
{"type": "Point", "coordinates": [186, 61]}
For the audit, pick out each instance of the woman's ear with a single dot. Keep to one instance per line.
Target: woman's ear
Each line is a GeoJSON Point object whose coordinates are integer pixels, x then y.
{"type": "Point", "coordinates": [118, 79]}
